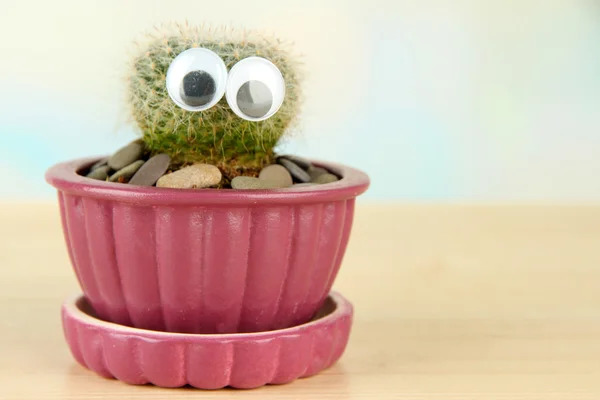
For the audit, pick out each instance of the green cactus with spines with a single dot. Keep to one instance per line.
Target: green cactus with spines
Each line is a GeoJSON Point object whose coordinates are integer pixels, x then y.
{"type": "Point", "coordinates": [216, 135]}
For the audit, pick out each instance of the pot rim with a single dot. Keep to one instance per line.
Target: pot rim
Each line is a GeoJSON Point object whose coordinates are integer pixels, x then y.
{"type": "Point", "coordinates": [64, 177]}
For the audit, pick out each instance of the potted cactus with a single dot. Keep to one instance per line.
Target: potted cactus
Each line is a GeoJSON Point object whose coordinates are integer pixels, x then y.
{"type": "Point", "coordinates": [198, 226]}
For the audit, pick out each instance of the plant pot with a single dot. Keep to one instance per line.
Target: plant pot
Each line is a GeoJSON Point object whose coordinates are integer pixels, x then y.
{"type": "Point", "coordinates": [208, 260]}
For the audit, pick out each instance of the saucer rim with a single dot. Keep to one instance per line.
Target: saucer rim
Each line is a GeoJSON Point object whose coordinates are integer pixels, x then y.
{"type": "Point", "coordinates": [71, 308]}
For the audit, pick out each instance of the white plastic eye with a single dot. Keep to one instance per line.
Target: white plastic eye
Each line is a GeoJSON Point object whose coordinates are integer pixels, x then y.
{"type": "Point", "coordinates": [255, 89]}
{"type": "Point", "coordinates": [196, 79]}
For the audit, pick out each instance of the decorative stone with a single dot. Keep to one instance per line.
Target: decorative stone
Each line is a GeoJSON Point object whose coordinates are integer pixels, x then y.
{"type": "Point", "coordinates": [326, 178]}
{"type": "Point", "coordinates": [151, 171]}
{"type": "Point", "coordinates": [276, 174]}
{"type": "Point", "coordinates": [99, 164]}
{"type": "Point", "coordinates": [193, 177]}
{"type": "Point", "coordinates": [299, 161]}
{"type": "Point", "coordinates": [126, 155]}
{"type": "Point", "coordinates": [124, 174]}
{"type": "Point", "coordinates": [100, 173]}
{"type": "Point", "coordinates": [250, 182]}
{"type": "Point", "coordinates": [315, 172]}
{"type": "Point", "coordinates": [298, 173]}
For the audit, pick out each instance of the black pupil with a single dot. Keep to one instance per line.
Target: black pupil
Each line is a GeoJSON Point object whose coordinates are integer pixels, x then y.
{"type": "Point", "coordinates": [197, 88]}
{"type": "Point", "coordinates": [254, 99]}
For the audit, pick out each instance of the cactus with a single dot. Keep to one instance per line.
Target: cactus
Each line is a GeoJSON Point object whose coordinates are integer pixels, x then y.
{"type": "Point", "coordinates": [216, 135]}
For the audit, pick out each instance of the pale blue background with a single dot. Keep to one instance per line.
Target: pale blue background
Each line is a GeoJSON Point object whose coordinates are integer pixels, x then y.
{"type": "Point", "coordinates": [461, 101]}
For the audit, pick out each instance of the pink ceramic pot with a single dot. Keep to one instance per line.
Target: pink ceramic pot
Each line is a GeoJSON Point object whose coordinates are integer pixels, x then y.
{"type": "Point", "coordinates": [205, 261]}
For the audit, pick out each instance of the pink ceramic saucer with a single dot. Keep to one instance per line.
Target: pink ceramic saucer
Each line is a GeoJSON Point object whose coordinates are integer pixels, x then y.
{"type": "Point", "coordinates": [207, 361]}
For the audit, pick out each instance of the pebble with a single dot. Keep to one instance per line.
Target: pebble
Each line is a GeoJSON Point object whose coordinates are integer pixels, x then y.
{"type": "Point", "coordinates": [276, 174]}
{"type": "Point", "coordinates": [126, 155]}
{"type": "Point", "coordinates": [100, 173]}
{"type": "Point", "coordinates": [151, 171]}
{"type": "Point", "coordinates": [315, 172]}
{"type": "Point", "coordinates": [299, 161]}
{"type": "Point", "coordinates": [326, 178]}
{"type": "Point", "coordinates": [193, 177]}
{"type": "Point", "coordinates": [298, 173]}
{"type": "Point", "coordinates": [250, 182]}
{"type": "Point", "coordinates": [99, 164]}
{"type": "Point", "coordinates": [125, 173]}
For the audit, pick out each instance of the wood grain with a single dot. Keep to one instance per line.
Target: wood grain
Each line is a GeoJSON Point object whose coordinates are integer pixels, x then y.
{"type": "Point", "coordinates": [452, 302]}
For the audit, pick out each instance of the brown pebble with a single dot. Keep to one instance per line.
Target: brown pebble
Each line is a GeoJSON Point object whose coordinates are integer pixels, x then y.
{"type": "Point", "coordinates": [326, 178]}
{"type": "Point", "coordinates": [195, 176]}
{"type": "Point", "coordinates": [315, 172]}
{"type": "Point", "coordinates": [276, 174]}
{"type": "Point", "coordinates": [250, 182]}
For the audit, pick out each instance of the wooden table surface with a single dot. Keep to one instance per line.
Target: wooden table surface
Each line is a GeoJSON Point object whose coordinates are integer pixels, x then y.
{"type": "Point", "coordinates": [451, 302]}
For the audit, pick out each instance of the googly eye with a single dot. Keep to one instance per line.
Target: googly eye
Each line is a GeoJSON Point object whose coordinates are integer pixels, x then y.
{"type": "Point", "coordinates": [255, 89]}
{"type": "Point", "coordinates": [196, 79]}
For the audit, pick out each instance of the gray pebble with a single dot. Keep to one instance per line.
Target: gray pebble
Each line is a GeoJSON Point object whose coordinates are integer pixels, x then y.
{"type": "Point", "coordinates": [99, 164]}
{"type": "Point", "coordinates": [126, 172]}
{"type": "Point", "coordinates": [250, 182]}
{"type": "Point", "coordinates": [299, 161]}
{"type": "Point", "coordinates": [100, 173]}
{"type": "Point", "coordinates": [315, 172]}
{"type": "Point", "coordinates": [277, 174]}
{"type": "Point", "coordinates": [151, 171]}
{"type": "Point", "coordinates": [126, 155]}
{"type": "Point", "coordinates": [326, 178]}
{"type": "Point", "coordinates": [298, 173]}
{"type": "Point", "coordinates": [195, 176]}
